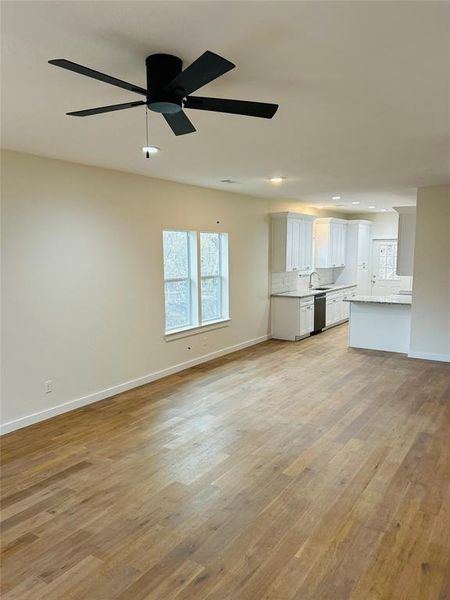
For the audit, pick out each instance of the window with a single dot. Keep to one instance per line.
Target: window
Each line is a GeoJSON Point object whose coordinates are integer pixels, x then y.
{"type": "Point", "coordinates": [180, 286]}
{"type": "Point", "coordinates": [214, 276]}
{"type": "Point", "coordinates": [195, 279]}
{"type": "Point", "coordinates": [387, 261]}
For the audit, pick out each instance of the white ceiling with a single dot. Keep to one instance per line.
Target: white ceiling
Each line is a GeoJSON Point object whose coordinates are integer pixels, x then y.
{"type": "Point", "coordinates": [363, 89]}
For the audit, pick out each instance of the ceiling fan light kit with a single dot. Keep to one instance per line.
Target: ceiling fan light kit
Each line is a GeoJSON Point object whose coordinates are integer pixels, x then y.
{"type": "Point", "coordinates": [169, 88]}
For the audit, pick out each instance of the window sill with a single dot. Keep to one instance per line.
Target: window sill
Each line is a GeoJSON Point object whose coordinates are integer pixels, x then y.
{"type": "Point", "coordinates": [176, 334]}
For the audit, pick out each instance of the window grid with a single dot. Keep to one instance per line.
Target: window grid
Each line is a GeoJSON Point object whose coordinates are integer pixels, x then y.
{"type": "Point", "coordinates": [387, 262]}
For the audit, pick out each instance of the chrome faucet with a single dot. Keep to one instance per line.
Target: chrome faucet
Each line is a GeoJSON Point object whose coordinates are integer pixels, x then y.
{"type": "Point", "coordinates": [310, 277]}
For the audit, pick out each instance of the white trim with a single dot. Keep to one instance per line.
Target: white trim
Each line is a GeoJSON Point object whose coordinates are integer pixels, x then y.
{"type": "Point", "coordinates": [122, 387]}
{"type": "Point", "coordinates": [430, 356]}
{"type": "Point", "coordinates": [176, 334]}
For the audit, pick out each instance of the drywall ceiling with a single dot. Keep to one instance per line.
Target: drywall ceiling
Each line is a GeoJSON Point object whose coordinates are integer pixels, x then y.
{"type": "Point", "coordinates": [363, 89]}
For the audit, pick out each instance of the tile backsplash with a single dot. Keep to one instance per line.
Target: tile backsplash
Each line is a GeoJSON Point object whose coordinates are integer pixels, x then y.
{"type": "Point", "coordinates": [289, 282]}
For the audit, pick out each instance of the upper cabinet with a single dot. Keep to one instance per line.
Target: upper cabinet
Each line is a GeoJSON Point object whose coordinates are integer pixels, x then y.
{"type": "Point", "coordinates": [330, 242]}
{"type": "Point", "coordinates": [292, 242]}
{"type": "Point", "coordinates": [406, 239]}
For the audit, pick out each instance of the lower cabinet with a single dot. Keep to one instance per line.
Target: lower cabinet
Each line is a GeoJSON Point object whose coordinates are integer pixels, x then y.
{"type": "Point", "coordinates": [337, 309]}
{"type": "Point", "coordinates": [345, 310]}
{"type": "Point", "coordinates": [332, 311]}
{"type": "Point", "coordinates": [306, 317]}
{"type": "Point", "coordinates": [292, 318]}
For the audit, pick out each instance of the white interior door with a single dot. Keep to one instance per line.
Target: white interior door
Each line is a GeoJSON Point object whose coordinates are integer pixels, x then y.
{"type": "Point", "coordinates": [384, 280]}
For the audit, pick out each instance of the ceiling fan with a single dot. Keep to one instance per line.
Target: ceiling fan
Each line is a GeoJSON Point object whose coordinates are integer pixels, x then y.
{"type": "Point", "coordinates": [169, 88]}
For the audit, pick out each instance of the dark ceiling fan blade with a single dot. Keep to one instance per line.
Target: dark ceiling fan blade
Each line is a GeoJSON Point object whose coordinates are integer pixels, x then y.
{"type": "Point", "coordinates": [104, 109]}
{"type": "Point", "coordinates": [236, 107]}
{"type": "Point", "coordinates": [71, 66]}
{"type": "Point", "coordinates": [179, 123]}
{"type": "Point", "coordinates": [206, 68]}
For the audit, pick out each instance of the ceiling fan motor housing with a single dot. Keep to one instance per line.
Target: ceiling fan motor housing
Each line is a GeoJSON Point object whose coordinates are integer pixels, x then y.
{"type": "Point", "coordinates": [161, 70]}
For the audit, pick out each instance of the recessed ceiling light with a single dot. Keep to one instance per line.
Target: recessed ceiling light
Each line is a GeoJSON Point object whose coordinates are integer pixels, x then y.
{"type": "Point", "coordinates": [335, 197]}
{"type": "Point", "coordinates": [276, 180]}
{"type": "Point", "coordinates": [383, 209]}
{"type": "Point", "coordinates": [355, 202]}
{"type": "Point", "coordinates": [372, 206]}
{"type": "Point", "coordinates": [150, 149]}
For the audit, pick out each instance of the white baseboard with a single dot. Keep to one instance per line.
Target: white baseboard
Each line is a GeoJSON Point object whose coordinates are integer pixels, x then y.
{"type": "Point", "coordinates": [122, 387]}
{"type": "Point", "coordinates": [429, 356]}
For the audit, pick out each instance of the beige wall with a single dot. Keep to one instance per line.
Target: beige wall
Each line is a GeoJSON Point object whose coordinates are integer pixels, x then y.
{"type": "Point", "coordinates": [82, 273]}
{"type": "Point", "coordinates": [430, 313]}
{"type": "Point", "coordinates": [384, 225]}
{"type": "Point", "coordinates": [283, 205]}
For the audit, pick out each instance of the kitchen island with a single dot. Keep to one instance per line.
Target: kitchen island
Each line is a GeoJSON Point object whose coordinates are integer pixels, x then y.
{"type": "Point", "coordinates": [380, 322]}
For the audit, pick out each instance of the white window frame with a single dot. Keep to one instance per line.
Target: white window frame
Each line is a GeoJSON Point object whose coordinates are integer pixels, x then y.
{"type": "Point", "coordinates": [195, 277]}
{"type": "Point", "coordinates": [191, 279]}
{"type": "Point", "coordinates": [222, 277]}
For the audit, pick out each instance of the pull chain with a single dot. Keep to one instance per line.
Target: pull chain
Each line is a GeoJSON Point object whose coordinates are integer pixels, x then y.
{"type": "Point", "coordinates": [147, 153]}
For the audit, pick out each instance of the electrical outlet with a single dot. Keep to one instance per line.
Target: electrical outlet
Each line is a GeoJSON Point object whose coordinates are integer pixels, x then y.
{"type": "Point", "coordinates": [48, 385]}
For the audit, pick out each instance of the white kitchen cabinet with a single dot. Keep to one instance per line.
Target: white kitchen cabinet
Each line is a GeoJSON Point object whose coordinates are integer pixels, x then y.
{"type": "Point", "coordinates": [292, 318]}
{"type": "Point", "coordinates": [332, 308]}
{"type": "Point", "coordinates": [357, 258]}
{"type": "Point", "coordinates": [345, 309]}
{"type": "Point", "coordinates": [306, 319]}
{"type": "Point", "coordinates": [337, 310]}
{"type": "Point", "coordinates": [363, 243]}
{"type": "Point", "coordinates": [331, 314]}
{"type": "Point", "coordinates": [330, 243]}
{"type": "Point", "coordinates": [292, 242]}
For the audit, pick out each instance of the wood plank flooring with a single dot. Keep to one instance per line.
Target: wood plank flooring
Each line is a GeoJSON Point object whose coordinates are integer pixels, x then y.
{"type": "Point", "coordinates": [288, 471]}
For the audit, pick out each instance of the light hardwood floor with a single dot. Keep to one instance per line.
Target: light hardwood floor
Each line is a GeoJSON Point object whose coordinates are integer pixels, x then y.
{"type": "Point", "coordinates": [282, 472]}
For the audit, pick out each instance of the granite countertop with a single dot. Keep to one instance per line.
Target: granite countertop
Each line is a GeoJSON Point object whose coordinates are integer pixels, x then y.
{"type": "Point", "coordinates": [313, 292]}
{"type": "Point", "coordinates": [393, 299]}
